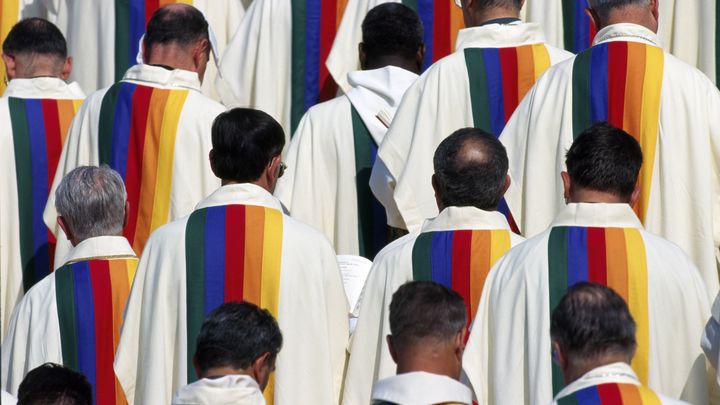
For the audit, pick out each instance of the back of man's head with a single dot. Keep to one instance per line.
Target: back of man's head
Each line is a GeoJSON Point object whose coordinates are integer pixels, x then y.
{"type": "Point", "coordinates": [53, 384]}
{"type": "Point", "coordinates": [35, 43]}
{"type": "Point", "coordinates": [477, 12]}
{"type": "Point", "coordinates": [391, 30]}
{"type": "Point", "coordinates": [244, 142]}
{"type": "Point", "coordinates": [91, 201]}
{"type": "Point", "coordinates": [605, 7]}
{"type": "Point", "coordinates": [470, 170]}
{"type": "Point", "coordinates": [235, 335]}
{"type": "Point", "coordinates": [592, 324]}
{"type": "Point", "coordinates": [179, 24]}
{"type": "Point", "coordinates": [425, 313]}
{"type": "Point", "coordinates": [605, 159]}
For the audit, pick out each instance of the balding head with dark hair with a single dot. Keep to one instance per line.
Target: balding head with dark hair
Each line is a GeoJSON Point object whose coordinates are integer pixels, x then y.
{"type": "Point", "coordinates": [591, 327]}
{"type": "Point", "coordinates": [641, 12]}
{"type": "Point", "coordinates": [177, 37]}
{"type": "Point", "coordinates": [35, 47]}
{"type": "Point", "coordinates": [471, 169]}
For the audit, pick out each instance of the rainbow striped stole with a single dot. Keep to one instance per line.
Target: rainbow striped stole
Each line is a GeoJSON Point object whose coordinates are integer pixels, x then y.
{"type": "Point", "coordinates": [614, 257]}
{"type": "Point", "coordinates": [39, 128]}
{"type": "Point", "coordinates": [131, 17]}
{"type": "Point", "coordinates": [314, 25]}
{"type": "Point", "coordinates": [372, 220]}
{"type": "Point", "coordinates": [578, 28]}
{"type": "Point", "coordinates": [446, 21]}
{"type": "Point", "coordinates": [612, 394]}
{"type": "Point", "coordinates": [91, 297]}
{"type": "Point", "coordinates": [233, 253]}
{"type": "Point", "coordinates": [621, 82]}
{"type": "Point", "coordinates": [460, 260]}
{"type": "Point", "coordinates": [137, 131]}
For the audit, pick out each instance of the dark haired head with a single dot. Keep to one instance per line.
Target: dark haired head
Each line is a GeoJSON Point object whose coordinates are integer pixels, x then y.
{"type": "Point", "coordinates": [53, 384]}
{"type": "Point", "coordinates": [470, 170]}
{"type": "Point", "coordinates": [391, 32]}
{"type": "Point", "coordinates": [424, 310]}
{"type": "Point", "coordinates": [592, 322]}
{"type": "Point", "coordinates": [177, 23]}
{"type": "Point", "coordinates": [476, 13]}
{"type": "Point", "coordinates": [35, 46]}
{"type": "Point", "coordinates": [235, 335]}
{"type": "Point", "coordinates": [605, 159]}
{"type": "Point", "coordinates": [244, 143]}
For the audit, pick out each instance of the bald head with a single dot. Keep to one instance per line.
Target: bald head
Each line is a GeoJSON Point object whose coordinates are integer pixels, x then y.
{"type": "Point", "coordinates": [470, 170]}
{"type": "Point", "coordinates": [608, 12]}
{"type": "Point", "coordinates": [177, 37]}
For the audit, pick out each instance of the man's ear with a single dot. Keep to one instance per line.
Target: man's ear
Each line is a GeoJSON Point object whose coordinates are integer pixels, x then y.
{"type": "Point", "coordinates": [594, 17]}
{"type": "Point", "coordinates": [567, 186]}
{"type": "Point", "coordinates": [507, 184]}
{"type": "Point", "coordinates": [362, 56]}
{"type": "Point", "coordinates": [64, 226]}
{"type": "Point", "coordinates": [420, 57]}
{"type": "Point", "coordinates": [198, 372]}
{"type": "Point", "coordinates": [261, 368]}
{"type": "Point", "coordinates": [460, 344]}
{"type": "Point", "coordinates": [126, 218]}
{"type": "Point", "coordinates": [391, 348]}
{"type": "Point", "coordinates": [67, 68]}
{"type": "Point", "coordinates": [558, 355]}
{"type": "Point", "coordinates": [438, 194]}
{"type": "Point", "coordinates": [145, 53]}
{"type": "Point", "coordinates": [10, 66]}
{"type": "Point", "coordinates": [635, 196]}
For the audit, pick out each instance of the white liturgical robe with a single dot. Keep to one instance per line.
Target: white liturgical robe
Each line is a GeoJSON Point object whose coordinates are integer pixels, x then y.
{"type": "Point", "coordinates": [670, 107]}
{"type": "Point", "coordinates": [420, 388]}
{"type": "Point", "coordinates": [236, 245]}
{"type": "Point", "coordinates": [153, 127]}
{"type": "Point", "coordinates": [508, 357]}
{"type": "Point", "coordinates": [35, 334]}
{"type": "Point", "coordinates": [35, 115]}
{"type": "Point", "coordinates": [330, 158]}
{"type": "Point", "coordinates": [616, 378]}
{"type": "Point", "coordinates": [455, 93]}
{"type": "Point", "coordinates": [226, 390]}
{"type": "Point", "coordinates": [711, 337]}
{"type": "Point", "coordinates": [481, 237]}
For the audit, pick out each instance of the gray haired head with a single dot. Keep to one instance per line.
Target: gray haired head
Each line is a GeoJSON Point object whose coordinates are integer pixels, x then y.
{"type": "Point", "coordinates": [604, 7]}
{"type": "Point", "coordinates": [91, 200]}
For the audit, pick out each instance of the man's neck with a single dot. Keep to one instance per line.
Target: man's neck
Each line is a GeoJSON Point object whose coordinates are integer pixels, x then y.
{"type": "Point", "coordinates": [592, 196]}
{"type": "Point", "coordinates": [631, 15]}
{"type": "Point", "coordinates": [574, 372]}
{"type": "Point", "coordinates": [430, 359]}
{"type": "Point", "coordinates": [396, 61]}
{"type": "Point", "coordinates": [218, 372]}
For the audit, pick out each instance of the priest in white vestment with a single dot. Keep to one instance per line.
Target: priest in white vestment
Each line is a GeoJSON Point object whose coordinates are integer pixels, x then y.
{"type": "Point", "coordinates": [496, 61]}
{"type": "Point", "coordinates": [668, 106]}
{"type": "Point", "coordinates": [237, 245]}
{"type": "Point", "coordinates": [332, 153]}
{"type": "Point", "coordinates": [35, 114]}
{"type": "Point", "coordinates": [457, 249]}
{"type": "Point", "coordinates": [594, 342]}
{"type": "Point", "coordinates": [234, 357]}
{"type": "Point", "coordinates": [427, 337]}
{"type": "Point", "coordinates": [153, 127]}
{"type": "Point", "coordinates": [73, 316]}
{"type": "Point", "coordinates": [105, 34]}
{"type": "Point", "coordinates": [275, 62]}
{"type": "Point", "coordinates": [596, 238]}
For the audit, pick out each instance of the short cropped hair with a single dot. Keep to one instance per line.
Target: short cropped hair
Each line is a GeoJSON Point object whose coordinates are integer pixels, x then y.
{"type": "Point", "coordinates": [35, 36]}
{"type": "Point", "coordinates": [471, 167]}
{"type": "Point", "coordinates": [422, 310]}
{"type": "Point", "coordinates": [53, 384]}
{"type": "Point", "coordinates": [592, 321]}
{"type": "Point", "coordinates": [392, 29]}
{"type": "Point", "coordinates": [236, 334]}
{"type": "Point", "coordinates": [605, 7]}
{"type": "Point", "coordinates": [604, 158]}
{"type": "Point", "coordinates": [244, 141]}
{"type": "Point", "coordinates": [180, 24]}
{"type": "Point", "coordinates": [91, 200]}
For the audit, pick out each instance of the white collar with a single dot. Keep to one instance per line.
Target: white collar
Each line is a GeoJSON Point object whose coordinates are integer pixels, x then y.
{"type": "Point", "coordinates": [101, 247]}
{"type": "Point", "coordinates": [500, 36]}
{"type": "Point", "coordinates": [245, 194]}
{"type": "Point", "coordinates": [454, 218]}
{"type": "Point", "coordinates": [620, 373]}
{"type": "Point", "coordinates": [43, 87]}
{"type": "Point", "coordinates": [627, 32]}
{"type": "Point", "coordinates": [229, 389]}
{"type": "Point", "coordinates": [421, 388]}
{"type": "Point", "coordinates": [378, 90]}
{"type": "Point", "coordinates": [157, 76]}
{"type": "Point", "coordinates": [598, 215]}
